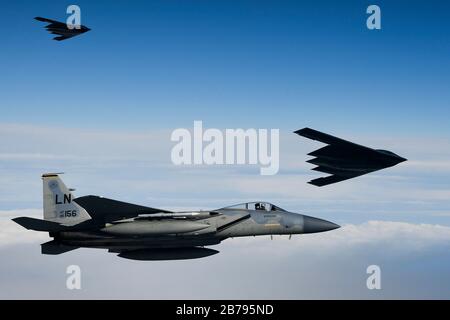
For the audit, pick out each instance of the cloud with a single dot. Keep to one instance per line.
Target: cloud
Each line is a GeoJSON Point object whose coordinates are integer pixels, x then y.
{"type": "Point", "coordinates": [11, 233]}
{"type": "Point", "coordinates": [396, 236]}
{"type": "Point", "coordinates": [332, 265]}
{"type": "Point", "coordinates": [33, 156]}
{"type": "Point", "coordinates": [61, 141]}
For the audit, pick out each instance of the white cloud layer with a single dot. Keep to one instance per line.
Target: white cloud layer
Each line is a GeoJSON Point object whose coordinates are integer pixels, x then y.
{"type": "Point", "coordinates": [397, 236]}
{"type": "Point", "coordinates": [11, 233]}
{"type": "Point", "coordinates": [328, 265]}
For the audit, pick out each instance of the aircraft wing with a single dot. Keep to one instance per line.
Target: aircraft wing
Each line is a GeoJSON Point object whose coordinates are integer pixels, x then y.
{"type": "Point", "coordinates": [108, 210]}
{"type": "Point", "coordinates": [55, 27]}
{"type": "Point", "coordinates": [343, 159]}
{"type": "Point", "coordinates": [330, 140]}
{"type": "Point", "coordinates": [52, 23]}
{"type": "Point", "coordinates": [320, 182]}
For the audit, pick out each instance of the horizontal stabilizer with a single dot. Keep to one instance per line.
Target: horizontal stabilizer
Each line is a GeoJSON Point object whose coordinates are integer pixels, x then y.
{"type": "Point", "coordinates": [54, 247]}
{"type": "Point", "coordinates": [39, 225]}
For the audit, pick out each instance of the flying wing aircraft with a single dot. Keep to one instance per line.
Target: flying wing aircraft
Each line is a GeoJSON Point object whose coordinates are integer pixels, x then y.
{"type": "Point", "coordinates": [145, 233]}
{"type": "Point", "coordinates": [344, 159]}
{"type": "Point", "coordinates": [61, 29]}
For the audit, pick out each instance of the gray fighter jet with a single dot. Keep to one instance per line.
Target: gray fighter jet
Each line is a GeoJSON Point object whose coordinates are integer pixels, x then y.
{"type": "Point", "coordinates": [144, 233]}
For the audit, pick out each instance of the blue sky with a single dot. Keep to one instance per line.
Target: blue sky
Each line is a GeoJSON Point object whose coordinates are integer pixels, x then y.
{"type": "Point", "coordinates": [101, 108]}
{"type": "Point", "coordinates": [153, 64]}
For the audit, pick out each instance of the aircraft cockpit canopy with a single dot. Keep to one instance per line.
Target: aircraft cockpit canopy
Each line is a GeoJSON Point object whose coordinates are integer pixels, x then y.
{"type": "Point", "coordinates": [263, 206]}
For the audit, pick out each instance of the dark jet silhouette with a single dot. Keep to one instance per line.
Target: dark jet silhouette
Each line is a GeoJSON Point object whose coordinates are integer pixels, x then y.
{"type": "Point", "coordinates": [344, 159]}
{"type": "Point", "coordinates": [61, 29]}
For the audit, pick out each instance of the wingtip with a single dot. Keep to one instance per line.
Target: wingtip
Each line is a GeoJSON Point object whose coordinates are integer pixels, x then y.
{"type": "Point", "coordinates": [308, 133]}
{"type": "Point", "coordinates": [21, 221]}
{"type": "Point", "coordinates": [314, 183]}
{"type": "Point", "coordinates": [299, 131]}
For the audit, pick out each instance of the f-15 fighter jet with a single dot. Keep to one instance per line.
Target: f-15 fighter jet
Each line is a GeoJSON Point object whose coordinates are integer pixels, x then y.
{"type": "Point", "coordinates": [62, 29]}
{"type": "Point", "coordinates": [344, 159]}
{"type": "Point", "coordinates": [144, 233]}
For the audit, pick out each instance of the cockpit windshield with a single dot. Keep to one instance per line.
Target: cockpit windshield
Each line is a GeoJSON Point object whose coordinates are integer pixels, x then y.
{"type": "Point", "coordinates": [264, 206]}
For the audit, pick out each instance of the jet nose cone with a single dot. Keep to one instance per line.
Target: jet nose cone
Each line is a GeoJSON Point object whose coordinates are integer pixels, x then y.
{"type": "Point", "coordinates": [313, 225]}
{"type": "Point", "coordinates": [398, 159]}
{"type": "Point", "coordinates": [401, 159]}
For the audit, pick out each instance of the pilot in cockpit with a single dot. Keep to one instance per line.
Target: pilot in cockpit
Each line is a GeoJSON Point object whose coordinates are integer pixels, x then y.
{"type": "Point", "coordinates": [260, 206]}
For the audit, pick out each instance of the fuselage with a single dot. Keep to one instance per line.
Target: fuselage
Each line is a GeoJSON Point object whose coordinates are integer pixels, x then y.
{"type": "Point", "coordinates": [203, 228]}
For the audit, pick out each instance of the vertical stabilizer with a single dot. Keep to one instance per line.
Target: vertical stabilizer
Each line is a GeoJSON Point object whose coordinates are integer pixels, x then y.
{"type": "Point", "coordinates": [58, 202]}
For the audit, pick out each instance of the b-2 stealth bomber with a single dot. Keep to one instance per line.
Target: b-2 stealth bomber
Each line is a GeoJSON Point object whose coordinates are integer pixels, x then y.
{"type": "Point", "coordinates": [62, 30]}
{"type": "Point", "coordinates": [344, 159]}
{"type": "Point", "coordinates": [144, 233]}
